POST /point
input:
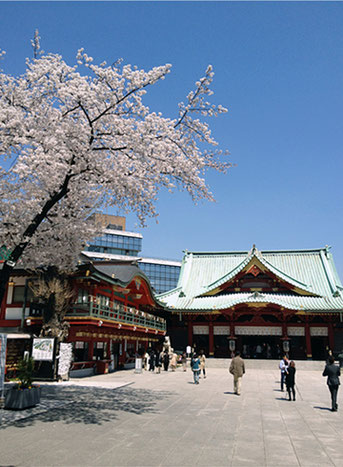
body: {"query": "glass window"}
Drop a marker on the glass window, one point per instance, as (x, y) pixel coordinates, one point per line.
(80, 351)
(18, 294)
(83, 296)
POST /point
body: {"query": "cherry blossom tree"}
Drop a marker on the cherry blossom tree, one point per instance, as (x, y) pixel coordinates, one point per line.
(74, 139)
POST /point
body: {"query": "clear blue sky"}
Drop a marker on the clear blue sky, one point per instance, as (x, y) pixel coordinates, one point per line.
(279, 70)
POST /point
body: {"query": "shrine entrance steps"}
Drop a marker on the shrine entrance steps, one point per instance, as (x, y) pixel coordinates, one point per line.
(267, 364)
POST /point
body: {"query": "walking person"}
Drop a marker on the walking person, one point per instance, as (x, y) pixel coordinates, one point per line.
(146, 359)
(333, 373)
(173, 361)
(152, 361)
(184, 361)
(158, 362)
(166, 360)
(290, 380)
(283, 367)
(195, 365)
(202, 363)
(237, 369)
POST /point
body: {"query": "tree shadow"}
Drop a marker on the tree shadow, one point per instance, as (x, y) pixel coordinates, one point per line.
(87, 405)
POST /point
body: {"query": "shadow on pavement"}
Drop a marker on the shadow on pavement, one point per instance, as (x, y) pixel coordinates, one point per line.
(88, 405)
(322, 408)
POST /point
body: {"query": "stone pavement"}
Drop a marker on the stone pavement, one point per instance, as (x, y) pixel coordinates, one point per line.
(165, 420)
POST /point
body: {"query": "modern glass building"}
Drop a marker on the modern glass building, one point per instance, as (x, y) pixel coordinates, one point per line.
(163, 274)
(117, 244)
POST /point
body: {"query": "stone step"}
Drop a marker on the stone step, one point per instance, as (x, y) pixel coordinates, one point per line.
(309, 365)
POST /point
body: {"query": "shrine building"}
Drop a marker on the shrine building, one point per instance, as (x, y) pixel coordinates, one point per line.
(263, 303)
(112, 317)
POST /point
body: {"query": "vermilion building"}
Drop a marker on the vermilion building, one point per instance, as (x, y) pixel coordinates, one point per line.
(113, 316)
(260, 302)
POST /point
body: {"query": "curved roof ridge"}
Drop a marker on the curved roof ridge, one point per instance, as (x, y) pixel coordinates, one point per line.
(255, 253)
(226, 276)
(168, 292)
(292, 302)
(281, 273)
(328, 272)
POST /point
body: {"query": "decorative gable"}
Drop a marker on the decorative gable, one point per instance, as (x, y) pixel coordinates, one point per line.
(257, 275)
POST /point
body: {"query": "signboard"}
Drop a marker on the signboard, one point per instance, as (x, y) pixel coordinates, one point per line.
(138, 365)
(3, 344)
(43, 349)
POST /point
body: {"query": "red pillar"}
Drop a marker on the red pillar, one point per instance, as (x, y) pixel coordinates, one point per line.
(331, 337)
(308, 341)
(190, 333)
(210, 339)
(90, 349)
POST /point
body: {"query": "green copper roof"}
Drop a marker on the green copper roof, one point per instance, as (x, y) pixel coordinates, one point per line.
(310, 271)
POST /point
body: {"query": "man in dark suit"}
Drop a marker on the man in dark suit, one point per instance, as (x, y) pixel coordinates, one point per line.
(333, 373)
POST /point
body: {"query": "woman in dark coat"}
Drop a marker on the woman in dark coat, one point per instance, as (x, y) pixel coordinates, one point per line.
(152, 361)
(166, 360)
(290, 380)
(333, 373)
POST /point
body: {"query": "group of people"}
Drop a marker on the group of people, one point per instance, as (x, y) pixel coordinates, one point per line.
(155, 360)
(287, 368)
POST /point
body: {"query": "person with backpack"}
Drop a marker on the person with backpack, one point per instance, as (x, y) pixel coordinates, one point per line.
(195, 365)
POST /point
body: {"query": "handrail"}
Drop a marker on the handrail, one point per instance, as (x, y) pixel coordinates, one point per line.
(117, 312)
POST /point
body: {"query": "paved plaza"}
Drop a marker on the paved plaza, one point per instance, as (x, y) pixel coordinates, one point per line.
(128, 419)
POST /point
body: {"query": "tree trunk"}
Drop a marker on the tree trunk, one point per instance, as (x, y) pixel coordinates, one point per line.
(17, 252)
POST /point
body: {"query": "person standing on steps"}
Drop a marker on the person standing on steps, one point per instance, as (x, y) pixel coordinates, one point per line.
(237, 369)
(333, 373)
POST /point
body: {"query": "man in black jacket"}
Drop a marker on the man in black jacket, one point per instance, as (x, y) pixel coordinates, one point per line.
(333, 373)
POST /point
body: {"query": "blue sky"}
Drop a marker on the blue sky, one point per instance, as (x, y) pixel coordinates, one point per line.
(279, 70)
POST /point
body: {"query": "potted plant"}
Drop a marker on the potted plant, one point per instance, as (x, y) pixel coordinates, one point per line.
(24, 394)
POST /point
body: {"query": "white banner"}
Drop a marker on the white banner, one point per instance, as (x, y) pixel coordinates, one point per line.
(43, 349)
(200, 330)
(258, 330)
(295, 331)
(65, 358)
(3, 345)
(319, 331)
(221, 330)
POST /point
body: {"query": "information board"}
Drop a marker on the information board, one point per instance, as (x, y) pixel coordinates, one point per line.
(43, 349)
